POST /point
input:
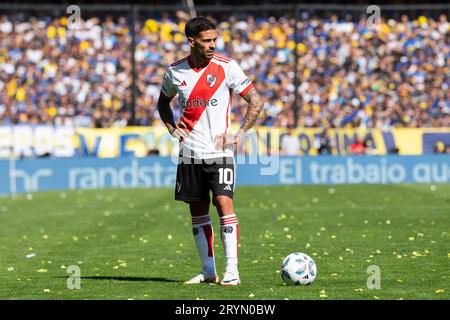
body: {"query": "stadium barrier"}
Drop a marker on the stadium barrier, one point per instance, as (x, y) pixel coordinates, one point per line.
(18, 176)
(37, 141)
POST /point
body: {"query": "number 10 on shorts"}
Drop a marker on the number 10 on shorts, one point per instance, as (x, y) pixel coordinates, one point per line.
(225, 176)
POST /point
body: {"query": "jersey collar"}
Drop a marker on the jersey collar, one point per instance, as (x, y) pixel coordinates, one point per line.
(191, 65)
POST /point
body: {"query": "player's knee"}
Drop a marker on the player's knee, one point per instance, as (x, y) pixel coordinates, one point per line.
(223, 203)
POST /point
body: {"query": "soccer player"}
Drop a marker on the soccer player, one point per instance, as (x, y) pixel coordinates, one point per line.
(204, 82)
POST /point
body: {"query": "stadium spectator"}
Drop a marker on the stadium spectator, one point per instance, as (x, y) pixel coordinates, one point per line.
(290, 143)
(323, 143)
(350, 76)
(358, 147)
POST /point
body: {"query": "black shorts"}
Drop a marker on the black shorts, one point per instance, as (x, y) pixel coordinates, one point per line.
(197, 177)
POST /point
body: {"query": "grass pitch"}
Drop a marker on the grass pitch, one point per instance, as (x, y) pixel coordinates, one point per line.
(138, 244)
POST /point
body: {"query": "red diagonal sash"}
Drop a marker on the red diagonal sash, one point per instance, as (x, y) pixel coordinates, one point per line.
(202, 91)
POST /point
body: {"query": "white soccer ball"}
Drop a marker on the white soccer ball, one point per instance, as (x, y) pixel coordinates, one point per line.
(298, 269)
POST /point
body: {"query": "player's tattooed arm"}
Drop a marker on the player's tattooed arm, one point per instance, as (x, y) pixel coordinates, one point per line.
(255, 105)
(178, 131)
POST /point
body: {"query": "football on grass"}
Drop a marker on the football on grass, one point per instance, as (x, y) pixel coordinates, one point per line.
(298, 269)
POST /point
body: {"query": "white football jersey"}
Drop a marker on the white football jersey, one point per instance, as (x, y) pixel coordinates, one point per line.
(205, 98)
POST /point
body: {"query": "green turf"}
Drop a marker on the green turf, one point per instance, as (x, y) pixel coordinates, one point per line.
(137, 244)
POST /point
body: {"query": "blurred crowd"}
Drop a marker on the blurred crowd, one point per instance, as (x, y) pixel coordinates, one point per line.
(349, 75)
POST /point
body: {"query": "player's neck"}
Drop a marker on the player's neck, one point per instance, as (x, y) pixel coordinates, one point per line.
(197, 62)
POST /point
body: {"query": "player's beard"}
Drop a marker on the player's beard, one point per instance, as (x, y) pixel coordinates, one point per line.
(209, 55)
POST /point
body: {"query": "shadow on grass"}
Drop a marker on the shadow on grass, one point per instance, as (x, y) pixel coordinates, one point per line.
(127, 279)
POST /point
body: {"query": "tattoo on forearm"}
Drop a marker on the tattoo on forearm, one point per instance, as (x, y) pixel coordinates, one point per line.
(255, 106)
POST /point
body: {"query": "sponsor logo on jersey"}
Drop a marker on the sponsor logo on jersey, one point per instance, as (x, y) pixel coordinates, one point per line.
(246, 82)
(199, 103)
(227, 187)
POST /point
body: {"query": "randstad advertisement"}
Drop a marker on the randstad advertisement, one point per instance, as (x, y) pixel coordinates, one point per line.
(48, 141)
(36, 175)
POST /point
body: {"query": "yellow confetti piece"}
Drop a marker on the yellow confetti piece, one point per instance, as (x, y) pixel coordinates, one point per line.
(251, 295)
(334, 274)
(116, 267)
(286, 229)
(376, 298)
(45, 237)
(439, 291)
(46, 290)
(359, 290)
(388, 221)
(42, 270)
(323, 229)
(288, 236)
(340, 258)
(411, 238)
(75, 238)
(399, 280)
(169, 237)
(308, 245)
(255, 261)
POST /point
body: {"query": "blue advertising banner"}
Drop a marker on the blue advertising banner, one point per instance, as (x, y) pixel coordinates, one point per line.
(153, 172)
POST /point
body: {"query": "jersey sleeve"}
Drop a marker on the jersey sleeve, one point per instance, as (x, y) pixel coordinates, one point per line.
(237, 80)
(168, 87)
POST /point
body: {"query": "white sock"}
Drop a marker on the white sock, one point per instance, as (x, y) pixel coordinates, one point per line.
(204, 239)
(229, 231)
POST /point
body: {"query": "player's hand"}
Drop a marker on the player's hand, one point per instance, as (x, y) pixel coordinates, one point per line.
(223, 140)
(180, 132)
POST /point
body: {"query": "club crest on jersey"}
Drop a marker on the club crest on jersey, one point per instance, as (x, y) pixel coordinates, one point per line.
(211, 79)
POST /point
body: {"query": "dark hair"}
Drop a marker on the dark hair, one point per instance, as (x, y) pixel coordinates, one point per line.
(197, 25)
